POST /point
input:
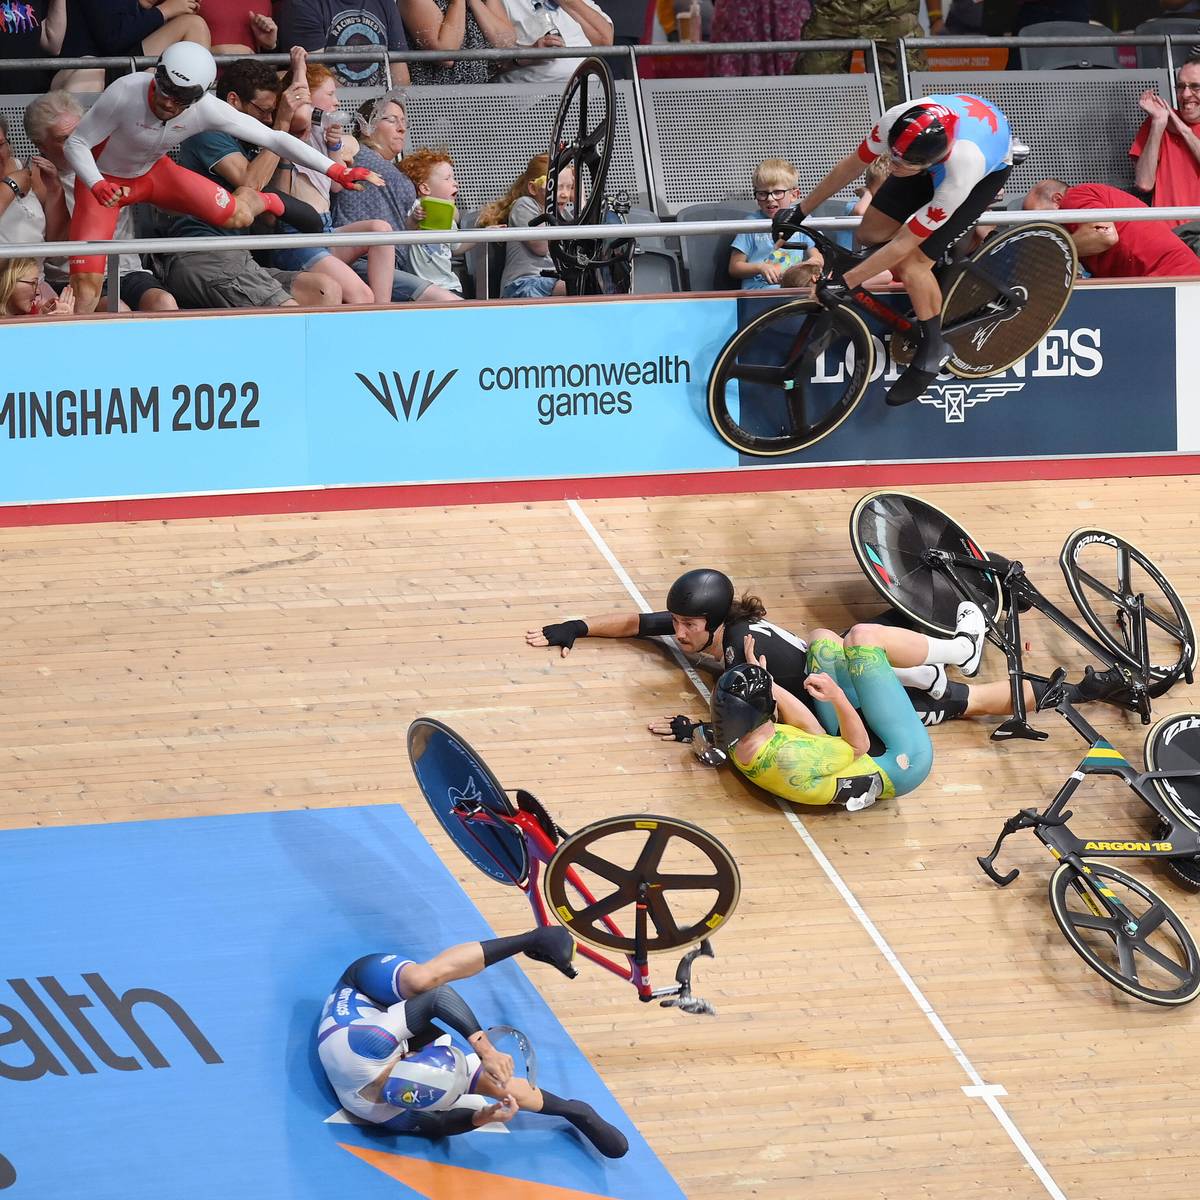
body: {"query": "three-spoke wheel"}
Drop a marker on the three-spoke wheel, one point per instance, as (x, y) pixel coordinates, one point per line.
(1125, 932)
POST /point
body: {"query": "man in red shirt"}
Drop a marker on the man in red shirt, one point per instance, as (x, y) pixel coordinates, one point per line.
(1167, 148)
(1120, 250)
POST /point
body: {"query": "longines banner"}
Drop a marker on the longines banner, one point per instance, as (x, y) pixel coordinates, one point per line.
(293, 400)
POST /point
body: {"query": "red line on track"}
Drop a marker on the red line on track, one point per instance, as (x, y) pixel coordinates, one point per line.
(745, 479)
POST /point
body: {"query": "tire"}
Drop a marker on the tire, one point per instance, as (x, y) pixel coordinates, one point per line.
(1036, 259)
(788, 410)
(1173, 744)
(1175, 946)
(1091, 577)
(448, 771)
(642, 842)
(889, 533)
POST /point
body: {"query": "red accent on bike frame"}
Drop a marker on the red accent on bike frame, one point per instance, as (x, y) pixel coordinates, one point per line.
(889, 316)
(541, 851)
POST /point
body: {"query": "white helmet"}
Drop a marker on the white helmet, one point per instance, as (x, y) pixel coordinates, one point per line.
(185, 72)
(430, 1080)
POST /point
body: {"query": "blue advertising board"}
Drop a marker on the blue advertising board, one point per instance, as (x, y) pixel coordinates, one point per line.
(292, 400)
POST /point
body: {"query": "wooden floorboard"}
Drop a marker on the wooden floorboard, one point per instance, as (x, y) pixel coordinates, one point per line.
(167, 669)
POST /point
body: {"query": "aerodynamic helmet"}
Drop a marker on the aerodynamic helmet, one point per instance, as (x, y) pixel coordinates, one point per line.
(430, 1080)
(702, 593)
(741, 702)
(185, 71)
(921, 135)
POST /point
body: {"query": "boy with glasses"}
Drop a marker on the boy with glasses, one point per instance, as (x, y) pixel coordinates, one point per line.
(754, 259)
(1167, 148)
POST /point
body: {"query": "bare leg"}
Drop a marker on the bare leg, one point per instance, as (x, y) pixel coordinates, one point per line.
(381, 260)
(87, 291)
(354, 291)
(457, 962)
(312, 290)
(190, 28)
(995, 699)
(916, 273)
(904, 647)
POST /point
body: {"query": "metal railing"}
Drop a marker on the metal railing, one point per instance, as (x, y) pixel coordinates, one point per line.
(658, 229)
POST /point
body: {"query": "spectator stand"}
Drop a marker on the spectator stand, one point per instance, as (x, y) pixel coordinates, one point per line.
(1078, 123)
(1182, 36)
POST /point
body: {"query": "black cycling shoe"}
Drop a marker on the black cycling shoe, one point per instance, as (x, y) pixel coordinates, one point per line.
(929, 359)
(555, 946)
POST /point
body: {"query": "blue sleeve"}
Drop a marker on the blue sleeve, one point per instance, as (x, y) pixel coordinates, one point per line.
(743, 242)
(112, 28)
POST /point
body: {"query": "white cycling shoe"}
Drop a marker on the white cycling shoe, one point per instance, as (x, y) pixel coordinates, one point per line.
(969, 623)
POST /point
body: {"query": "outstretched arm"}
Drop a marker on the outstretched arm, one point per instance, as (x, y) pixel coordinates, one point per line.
(843, 174)
(226, 118)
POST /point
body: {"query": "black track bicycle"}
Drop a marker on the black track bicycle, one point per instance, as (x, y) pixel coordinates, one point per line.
(1120, 926)
(793, 374)
(924, 564)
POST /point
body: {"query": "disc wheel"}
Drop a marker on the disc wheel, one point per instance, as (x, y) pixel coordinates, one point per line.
(1173, 744)
(1140, 946)
(1105, 575)
(789, 377)
(582, 143)
(1038, 263)
(692, 883)
(453, 777)
(890, 533)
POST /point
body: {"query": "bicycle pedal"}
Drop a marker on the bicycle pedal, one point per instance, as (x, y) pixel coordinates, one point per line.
(902, 349)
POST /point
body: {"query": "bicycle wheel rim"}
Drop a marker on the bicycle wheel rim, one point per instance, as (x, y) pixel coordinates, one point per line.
(1036, 261)
(1173, 744)
(767, 371)
(889, 533)
(1098, 948)
(447, 771)
(583, 141)
(570, 908)
(1100, 566)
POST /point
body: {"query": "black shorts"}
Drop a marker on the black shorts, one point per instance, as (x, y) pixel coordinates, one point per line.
(134, 287)
(950, 707)
(902, 195)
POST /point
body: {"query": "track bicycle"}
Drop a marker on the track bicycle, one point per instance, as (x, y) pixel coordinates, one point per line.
(794, 373)
(582, 142)
(676, 882)
(1123, 929)
(924, 564)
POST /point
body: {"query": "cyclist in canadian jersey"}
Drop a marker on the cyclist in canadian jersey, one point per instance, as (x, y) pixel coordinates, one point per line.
(119, 155)
(950, 156)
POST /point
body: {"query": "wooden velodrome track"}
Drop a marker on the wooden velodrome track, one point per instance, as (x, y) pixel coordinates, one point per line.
(167, 669)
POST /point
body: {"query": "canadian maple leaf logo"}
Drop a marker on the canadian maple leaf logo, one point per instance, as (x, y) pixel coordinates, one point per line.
(935, 214)
(980, 111)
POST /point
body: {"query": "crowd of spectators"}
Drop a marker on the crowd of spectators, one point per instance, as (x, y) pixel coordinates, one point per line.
(418, 190)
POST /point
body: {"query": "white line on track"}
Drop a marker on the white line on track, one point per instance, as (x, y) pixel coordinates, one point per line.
(977, 1089)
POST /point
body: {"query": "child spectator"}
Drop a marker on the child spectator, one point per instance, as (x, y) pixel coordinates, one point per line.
(23, 294)
(316, 122)
(432, 174)
(525, 263)
(754, 258)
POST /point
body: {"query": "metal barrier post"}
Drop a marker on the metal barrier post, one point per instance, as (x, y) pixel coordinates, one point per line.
(112, 279)
(639, 108)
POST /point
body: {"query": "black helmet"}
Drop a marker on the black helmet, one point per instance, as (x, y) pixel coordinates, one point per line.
(741, 701)
(921, 135)
(702, 593)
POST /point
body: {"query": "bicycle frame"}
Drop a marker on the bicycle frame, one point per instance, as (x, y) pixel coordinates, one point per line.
(1019, 592)
(838, 258)
(541, 848)
(1050, 824)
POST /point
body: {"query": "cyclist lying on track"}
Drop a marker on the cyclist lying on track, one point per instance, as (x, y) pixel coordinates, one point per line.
(825, 759)
(376, 1041)
(710, 624)
(950, 155)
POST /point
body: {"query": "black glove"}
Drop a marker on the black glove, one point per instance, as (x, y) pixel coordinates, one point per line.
(832, 293)
(683, 729)
(565, 634)
(786, 222)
